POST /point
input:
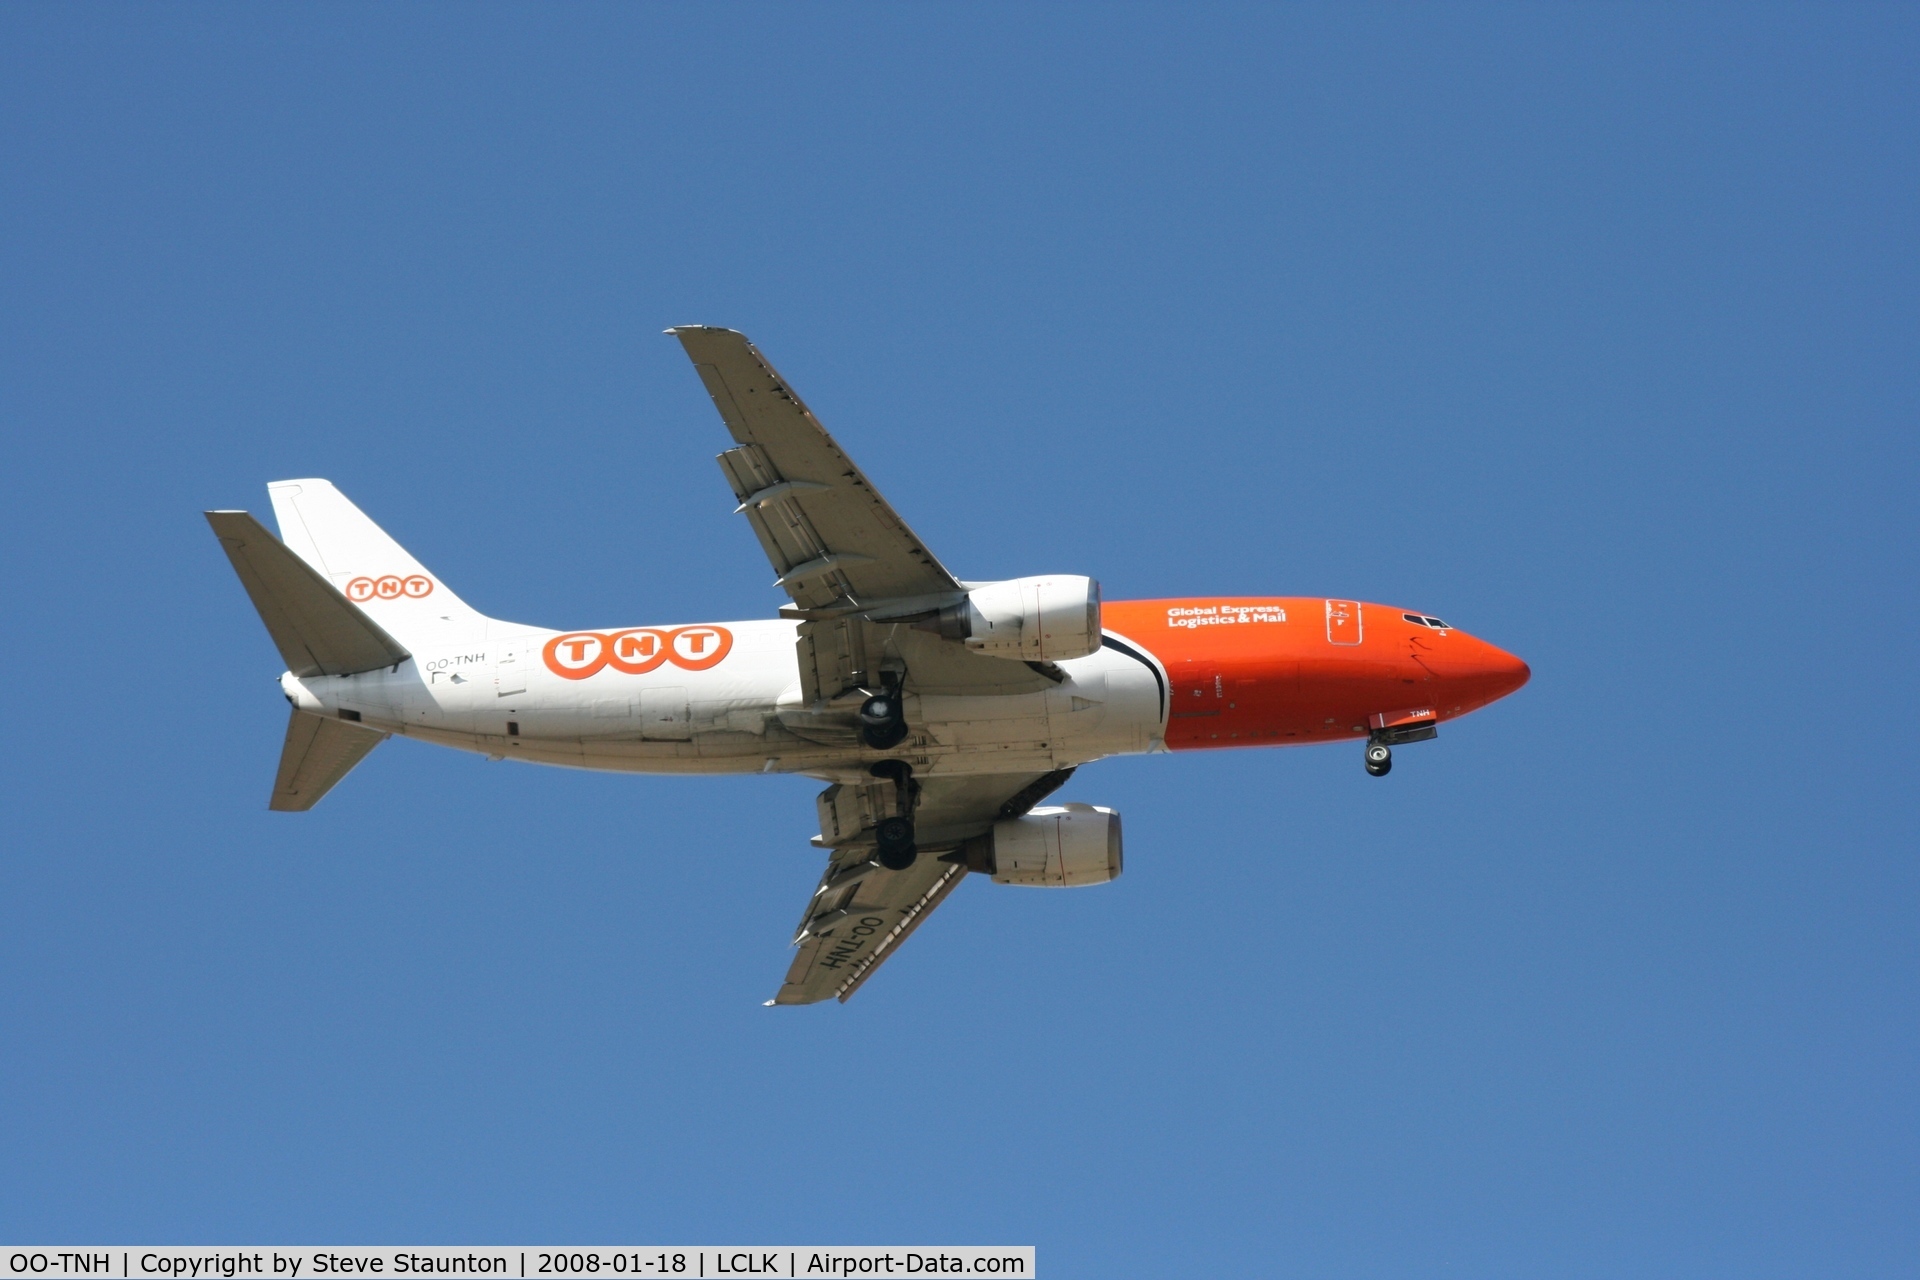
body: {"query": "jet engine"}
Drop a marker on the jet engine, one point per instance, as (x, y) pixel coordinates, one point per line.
(1044, 619)
(1059, 847)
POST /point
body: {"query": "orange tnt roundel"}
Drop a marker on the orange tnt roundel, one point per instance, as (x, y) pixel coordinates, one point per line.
(636, 651)
(389, 586)
(697, 648)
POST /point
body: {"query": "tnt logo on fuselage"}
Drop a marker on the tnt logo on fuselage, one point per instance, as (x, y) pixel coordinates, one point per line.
(636, 651)
(389, 587)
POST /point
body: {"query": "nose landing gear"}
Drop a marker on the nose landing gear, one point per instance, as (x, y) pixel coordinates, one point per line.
(1379, 758)
(1385, 737)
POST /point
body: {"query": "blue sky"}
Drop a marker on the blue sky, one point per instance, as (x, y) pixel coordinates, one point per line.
(1592, 330)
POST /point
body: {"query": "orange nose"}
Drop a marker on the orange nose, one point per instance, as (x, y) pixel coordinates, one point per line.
(1487, 672)
(1502, 671)
(1476, 672)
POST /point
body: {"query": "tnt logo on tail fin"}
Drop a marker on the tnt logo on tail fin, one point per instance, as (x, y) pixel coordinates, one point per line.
(319, 525)
(390, 586)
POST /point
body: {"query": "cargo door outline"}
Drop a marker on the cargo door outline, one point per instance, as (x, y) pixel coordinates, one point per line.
(663, 714)
(1343, 622)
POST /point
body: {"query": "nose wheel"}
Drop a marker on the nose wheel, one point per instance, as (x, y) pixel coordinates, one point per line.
(1379, 759)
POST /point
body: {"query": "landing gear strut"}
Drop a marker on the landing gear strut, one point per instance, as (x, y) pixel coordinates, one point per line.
(894, 835)
(1379, 758)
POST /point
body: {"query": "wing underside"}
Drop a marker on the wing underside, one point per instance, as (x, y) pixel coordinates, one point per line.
(864, 588)
(830, 535)
(869, 912)
(861, 912)
(857, 575)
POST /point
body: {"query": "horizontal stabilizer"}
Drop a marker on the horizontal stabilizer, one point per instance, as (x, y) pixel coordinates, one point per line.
(318, 753)
(318, 631)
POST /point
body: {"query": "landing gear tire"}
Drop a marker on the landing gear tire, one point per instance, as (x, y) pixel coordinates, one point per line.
(883, 721)
(1379, 759)
(895, 838)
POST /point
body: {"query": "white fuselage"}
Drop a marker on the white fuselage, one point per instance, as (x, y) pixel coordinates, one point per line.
(502, 693)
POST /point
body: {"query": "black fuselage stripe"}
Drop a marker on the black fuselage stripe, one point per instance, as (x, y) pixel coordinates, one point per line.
(1106, 638)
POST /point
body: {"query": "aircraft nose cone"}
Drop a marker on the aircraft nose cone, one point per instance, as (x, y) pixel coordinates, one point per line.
(1502, 671)
(1475, 672)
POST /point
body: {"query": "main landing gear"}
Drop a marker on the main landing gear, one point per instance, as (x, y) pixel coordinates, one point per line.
(894, 836)
(883, 720)
(1379, 758)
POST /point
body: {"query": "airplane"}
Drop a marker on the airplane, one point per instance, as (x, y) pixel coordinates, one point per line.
(941, 713)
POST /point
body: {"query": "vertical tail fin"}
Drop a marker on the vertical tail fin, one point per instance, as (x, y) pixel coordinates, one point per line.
(319, 525)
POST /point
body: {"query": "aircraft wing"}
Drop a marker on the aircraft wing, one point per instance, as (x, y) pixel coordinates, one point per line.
(841, 552)
(830, 535)
(865, 916)
(861, 912)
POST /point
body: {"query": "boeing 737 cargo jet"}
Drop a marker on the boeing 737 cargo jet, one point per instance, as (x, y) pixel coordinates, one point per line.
(940, 713)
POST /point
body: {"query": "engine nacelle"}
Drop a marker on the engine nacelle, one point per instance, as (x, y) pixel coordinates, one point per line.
(1045, 619)
(1056, 847)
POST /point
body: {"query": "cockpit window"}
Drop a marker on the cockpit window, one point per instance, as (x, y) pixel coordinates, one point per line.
(1420, 619)
(1415, 618)
(1435, 622)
